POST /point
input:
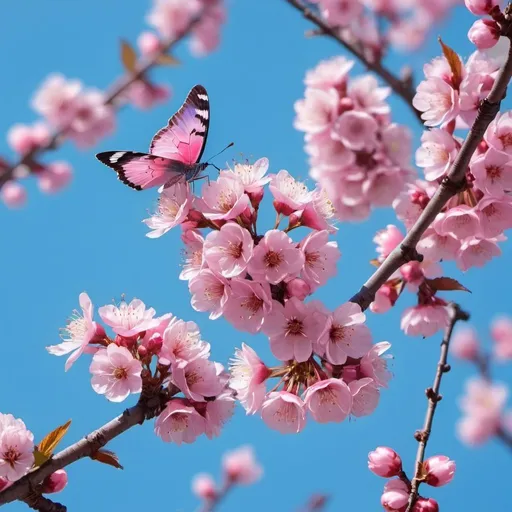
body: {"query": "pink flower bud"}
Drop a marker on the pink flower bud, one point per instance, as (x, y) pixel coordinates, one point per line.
(384, 462)
(425, 505)
(148, 43)
(439, 469)
(395, 495)
(13, 194)
(247, 217)
(99, 334)
(125, 341)
(203, 487)
(298, 288)
(55, 482)
(412, 272)
(385, 299)
(142, 351)
(256, 197)
(464, 344)
(484, 34)
(240, 466)
(4, 483)
(350, 373)
(480, 7)
(155, 343)
(345, 104)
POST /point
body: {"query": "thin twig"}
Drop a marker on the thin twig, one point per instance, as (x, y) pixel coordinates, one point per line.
(37, 502)
(115, 91)
(316, 503)
(433, 396)
(454, 182)
(403, 88)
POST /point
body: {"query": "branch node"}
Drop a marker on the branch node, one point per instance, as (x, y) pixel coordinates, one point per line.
(446, 368)
(410, 254)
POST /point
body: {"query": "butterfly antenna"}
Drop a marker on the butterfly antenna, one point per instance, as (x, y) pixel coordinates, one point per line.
(227, 147)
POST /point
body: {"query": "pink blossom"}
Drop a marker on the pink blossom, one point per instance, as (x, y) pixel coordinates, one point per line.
(207, 31)
(425, 505)
(439, 470)
(228, 251)
(289, 195)
(129, 319)
(328, 400)
(292, 329)
(320, 257)
(424, 320)
(145, 95)
(248, 304)
(55, 482)
(501, 333)
(252, 176)
(319, 213)
(499, 133)
(493, 172)
(437, 100)
(199, 378)
(171, 17)
(241, 467)
(461, 222)
(24, 139)
(345, 334)
(13, 194)
(203, 486)
(395, 495)
(412, 201)
(465, 344)
(356, 130)
(298, 288)
(374, 364)
(182, 342)
(436, 247)
(367, 96)
(474, 431)
(218, 412)
(174, 203)
(495, 216)
(385, 299)
(193, 254)
(484, 34)
(223, 199)
(16, 448)
(329, 73)
(248, 376)
(483, 399)
(284, 412)
(339, 13)
(78, 333)
(480, 7)
(209, 293)
(115, 373)
(385, 462)
(275, 258)
(387, 240)
(179, 423)
(397, 140)
(149, 43)
(437, 153)
(476, 253)
(54, 177)
(365, 396)
(317, 111)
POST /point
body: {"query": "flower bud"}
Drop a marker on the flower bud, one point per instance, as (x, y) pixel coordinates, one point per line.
(439, 470)
(384, 462)
(484, 34)
(13, 194)
(55, 482)
(480, 7)
(425, 505)
(298, 288)
(203, 487)
(256, 197)
(4, 483)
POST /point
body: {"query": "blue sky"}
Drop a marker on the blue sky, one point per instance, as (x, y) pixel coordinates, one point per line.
(90, 237)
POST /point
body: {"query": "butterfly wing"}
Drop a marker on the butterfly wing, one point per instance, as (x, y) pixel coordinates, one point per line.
(141, 170)
(184, 137)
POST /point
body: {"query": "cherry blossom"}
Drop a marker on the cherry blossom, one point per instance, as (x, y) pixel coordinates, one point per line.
(128, 319)
(284, 412)
(199, 378)
(240, 466)
(328, 400)
(209, 293)
(385, 462)
(439, 470)
(179, 423)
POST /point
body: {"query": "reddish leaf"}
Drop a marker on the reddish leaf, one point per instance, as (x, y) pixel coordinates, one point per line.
(106, 457)
(128, 57)
(454, 62)
(446, 284)
(375, 262)
(51, 440)
(167, 60)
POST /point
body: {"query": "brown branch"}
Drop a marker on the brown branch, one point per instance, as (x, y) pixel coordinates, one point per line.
(114, 93)
(37, 502)
(454, 182)
(433, 396)
(403, 88)
(22, 488)
(316, 503)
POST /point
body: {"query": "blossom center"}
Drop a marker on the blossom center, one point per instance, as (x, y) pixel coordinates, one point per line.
(75, 329)
(312, 258)
(493, 172)
(235, 250)
(506, 140)
(11, 455)
(337, 333)
(120, 374)
(192, 378)
(225, 202)
(214, 291)
(252, 304)
(294, 327)
(180, 422)
(273, 259)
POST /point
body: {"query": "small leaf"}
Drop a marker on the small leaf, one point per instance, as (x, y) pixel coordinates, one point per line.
(106, 457)
(51, 440)
(375, 262)
(446, 284)
(167, 60)
(454, 62)
(39, 458)
(128, 57)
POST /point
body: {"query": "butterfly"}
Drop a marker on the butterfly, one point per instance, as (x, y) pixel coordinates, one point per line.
(175, 150)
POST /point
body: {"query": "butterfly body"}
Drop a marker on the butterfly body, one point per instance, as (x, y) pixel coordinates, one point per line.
(175, 150)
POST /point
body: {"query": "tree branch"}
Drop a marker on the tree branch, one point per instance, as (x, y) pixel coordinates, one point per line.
(454, 182)
(433, 396)
(403, 88)
(114, 93)
(22, 488)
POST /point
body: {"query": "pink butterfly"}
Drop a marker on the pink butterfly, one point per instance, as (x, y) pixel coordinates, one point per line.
(175, 150)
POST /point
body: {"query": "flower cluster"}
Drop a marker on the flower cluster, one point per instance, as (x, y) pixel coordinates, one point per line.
(17, 451)
(484, 403)
(261, 283)
(361, 21)
(356, 153)
(385, 462)
(239, 467)
(158, 356)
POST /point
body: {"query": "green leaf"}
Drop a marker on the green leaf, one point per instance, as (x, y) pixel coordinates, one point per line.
(51, 440)
(128, 57)
(107, 457)
(446, 284)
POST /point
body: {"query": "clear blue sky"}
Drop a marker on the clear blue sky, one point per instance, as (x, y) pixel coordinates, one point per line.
(90, 237)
